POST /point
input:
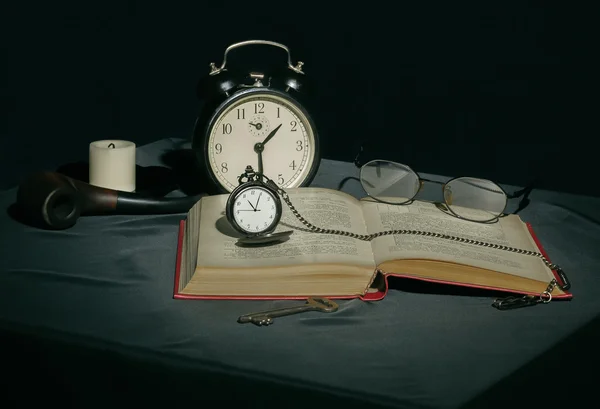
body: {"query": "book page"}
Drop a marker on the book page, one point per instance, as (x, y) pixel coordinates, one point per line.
(425, 216)
(325, 208)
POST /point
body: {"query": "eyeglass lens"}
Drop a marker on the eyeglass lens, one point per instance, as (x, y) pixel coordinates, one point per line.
(474, 199)
(469, 198)
(389, 182)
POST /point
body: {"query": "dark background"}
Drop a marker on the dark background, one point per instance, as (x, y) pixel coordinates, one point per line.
(500, 90)
(503, 90)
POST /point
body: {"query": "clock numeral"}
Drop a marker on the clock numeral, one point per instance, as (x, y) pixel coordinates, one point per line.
(280, 179)
(293, 165)
(259, 108)
(219, 148)
(277, 112)
(239, 204)
(299, 146)
(241, 113)
(224, 167)
(227, 128)
(293, 125)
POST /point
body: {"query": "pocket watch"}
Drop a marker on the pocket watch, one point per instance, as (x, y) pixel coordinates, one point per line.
(256, 118)
(254, 209)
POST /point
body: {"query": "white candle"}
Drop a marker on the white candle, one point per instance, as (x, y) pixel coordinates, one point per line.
(112, 164)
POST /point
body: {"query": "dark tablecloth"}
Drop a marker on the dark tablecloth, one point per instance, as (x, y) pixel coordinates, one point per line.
(88, 317)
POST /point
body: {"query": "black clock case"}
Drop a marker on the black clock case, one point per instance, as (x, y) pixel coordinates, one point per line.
(220, 90)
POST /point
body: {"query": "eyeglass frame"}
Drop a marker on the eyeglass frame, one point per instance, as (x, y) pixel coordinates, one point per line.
(522, 192)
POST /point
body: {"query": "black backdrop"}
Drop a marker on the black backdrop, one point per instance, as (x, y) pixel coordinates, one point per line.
(492, 89)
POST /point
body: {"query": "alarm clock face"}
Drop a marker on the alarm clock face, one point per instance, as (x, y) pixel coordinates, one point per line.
(268, 117)
(254, 210)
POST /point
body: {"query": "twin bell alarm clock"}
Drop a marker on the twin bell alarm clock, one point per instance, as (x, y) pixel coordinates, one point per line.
(257, 119)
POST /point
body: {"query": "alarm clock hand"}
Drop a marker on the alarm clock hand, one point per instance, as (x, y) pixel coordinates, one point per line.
(260, 161)
(271, 135)
(260, 146)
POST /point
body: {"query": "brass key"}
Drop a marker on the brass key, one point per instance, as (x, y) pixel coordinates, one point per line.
(266, 317)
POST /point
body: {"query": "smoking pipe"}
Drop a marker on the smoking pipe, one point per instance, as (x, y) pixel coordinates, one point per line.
(52, 200)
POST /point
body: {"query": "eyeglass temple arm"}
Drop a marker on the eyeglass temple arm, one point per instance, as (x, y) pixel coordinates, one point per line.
(357, 161)
(525, 193)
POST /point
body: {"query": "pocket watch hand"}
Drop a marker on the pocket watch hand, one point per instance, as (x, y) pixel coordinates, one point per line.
(258, 126)
(271, 135)
(258, 200)
(253, 208)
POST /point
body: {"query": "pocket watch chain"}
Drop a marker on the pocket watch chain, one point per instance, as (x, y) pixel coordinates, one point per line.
(510, 302)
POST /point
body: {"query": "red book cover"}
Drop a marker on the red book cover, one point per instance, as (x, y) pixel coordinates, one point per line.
(370, 296)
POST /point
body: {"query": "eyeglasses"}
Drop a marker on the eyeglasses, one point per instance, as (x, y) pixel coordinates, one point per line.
(469, 198)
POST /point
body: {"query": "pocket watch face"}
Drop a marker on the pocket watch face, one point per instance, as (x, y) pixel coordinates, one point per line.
(255, 210)
(280, 125)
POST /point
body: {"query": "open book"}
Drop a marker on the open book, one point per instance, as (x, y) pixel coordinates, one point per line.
(210, 264)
